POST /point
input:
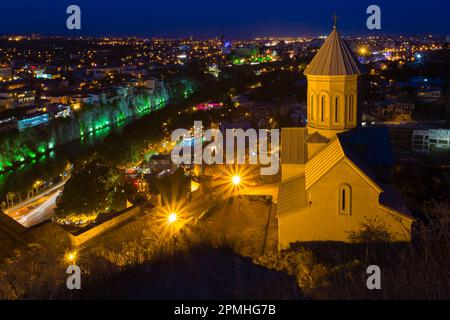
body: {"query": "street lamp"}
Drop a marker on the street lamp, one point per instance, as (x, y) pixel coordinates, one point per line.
(172, 218)
(236, 180)
(363, 51)
(71, 257)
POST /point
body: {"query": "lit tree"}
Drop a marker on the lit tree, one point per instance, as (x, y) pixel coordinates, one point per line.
(88, 191)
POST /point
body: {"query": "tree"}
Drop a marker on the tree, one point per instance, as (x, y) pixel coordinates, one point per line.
(173, 187)
(88, 191)
(372, 231)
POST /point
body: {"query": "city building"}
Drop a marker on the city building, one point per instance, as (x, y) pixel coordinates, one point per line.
(334, 172)
(10, 99)
(5, 74)
(58, 110)
(420, 141)
(8, 124)
(160, 162)
(429, 94)
(100, 73)
(32, 120)
(430, 141)
(226, 45)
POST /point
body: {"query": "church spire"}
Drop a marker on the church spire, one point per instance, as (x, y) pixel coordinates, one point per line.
(333, 87)
(334, 58)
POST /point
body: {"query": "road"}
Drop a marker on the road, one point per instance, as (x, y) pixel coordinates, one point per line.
(41, 207)
(37, 209)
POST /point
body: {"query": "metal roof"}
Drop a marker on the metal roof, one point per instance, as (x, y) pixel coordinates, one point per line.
(341, 149)
(291, 195)
(372, 143)
(322, 162)
(316, 138)
(293, 148)
(344, 147)
(335, 58)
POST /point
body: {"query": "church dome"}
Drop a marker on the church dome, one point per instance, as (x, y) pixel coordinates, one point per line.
(335, 58)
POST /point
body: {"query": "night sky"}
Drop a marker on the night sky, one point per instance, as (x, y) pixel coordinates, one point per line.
(238, 19)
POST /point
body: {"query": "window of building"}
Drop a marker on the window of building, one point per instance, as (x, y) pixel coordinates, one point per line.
(345, 199)
(350, 110)
(323, 108)
(312, 108)
(336, 110)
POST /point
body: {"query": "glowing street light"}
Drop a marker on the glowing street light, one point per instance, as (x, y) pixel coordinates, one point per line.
(71, 257)
(363, 51)
(172, 218)
(37, 184)
(236, 180)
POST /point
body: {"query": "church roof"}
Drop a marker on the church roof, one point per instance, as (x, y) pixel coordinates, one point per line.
(323, 162)
(291, 195)
(293, 148)
(335, 58)
(339, 149)
(392, 199)
(316, 138)
(372, 143)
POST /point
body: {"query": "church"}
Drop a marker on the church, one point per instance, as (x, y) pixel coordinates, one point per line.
(335, 172)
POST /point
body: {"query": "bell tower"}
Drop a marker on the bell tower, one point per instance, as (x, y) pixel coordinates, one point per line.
(332, 101)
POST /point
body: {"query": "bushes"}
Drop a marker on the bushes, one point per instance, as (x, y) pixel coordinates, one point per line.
(36, 272)
(301, 264)
(323, 270)
(419, 270)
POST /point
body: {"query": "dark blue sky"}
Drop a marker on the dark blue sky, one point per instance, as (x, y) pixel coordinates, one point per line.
(207, 18)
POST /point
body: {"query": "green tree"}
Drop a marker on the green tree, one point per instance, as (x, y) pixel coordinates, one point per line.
(88, 191)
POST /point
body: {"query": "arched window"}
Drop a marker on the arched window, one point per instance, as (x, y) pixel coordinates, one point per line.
(336, 110)
(350, 112)
(323, 108)
(312, 108)
(345, 199)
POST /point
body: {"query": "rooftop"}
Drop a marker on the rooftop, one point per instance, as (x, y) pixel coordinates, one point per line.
(335, 58)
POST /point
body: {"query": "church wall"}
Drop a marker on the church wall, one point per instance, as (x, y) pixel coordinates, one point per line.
(321, 220)
(340, 89)
(290, 228)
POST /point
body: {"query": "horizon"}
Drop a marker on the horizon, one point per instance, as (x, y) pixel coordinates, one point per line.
(205, 21)
(187, 38)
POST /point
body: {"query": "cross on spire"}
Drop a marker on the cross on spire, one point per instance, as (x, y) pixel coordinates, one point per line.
(335, 18)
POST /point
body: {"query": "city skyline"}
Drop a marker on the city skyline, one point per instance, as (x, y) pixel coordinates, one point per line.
(236, 20)
(189, 151)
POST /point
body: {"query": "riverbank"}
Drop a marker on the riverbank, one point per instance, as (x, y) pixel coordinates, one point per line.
(40, 152)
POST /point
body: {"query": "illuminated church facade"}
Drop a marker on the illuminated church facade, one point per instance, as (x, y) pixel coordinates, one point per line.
(334, 170)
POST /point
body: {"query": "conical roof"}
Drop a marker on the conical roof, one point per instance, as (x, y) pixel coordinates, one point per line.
(335, 58)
